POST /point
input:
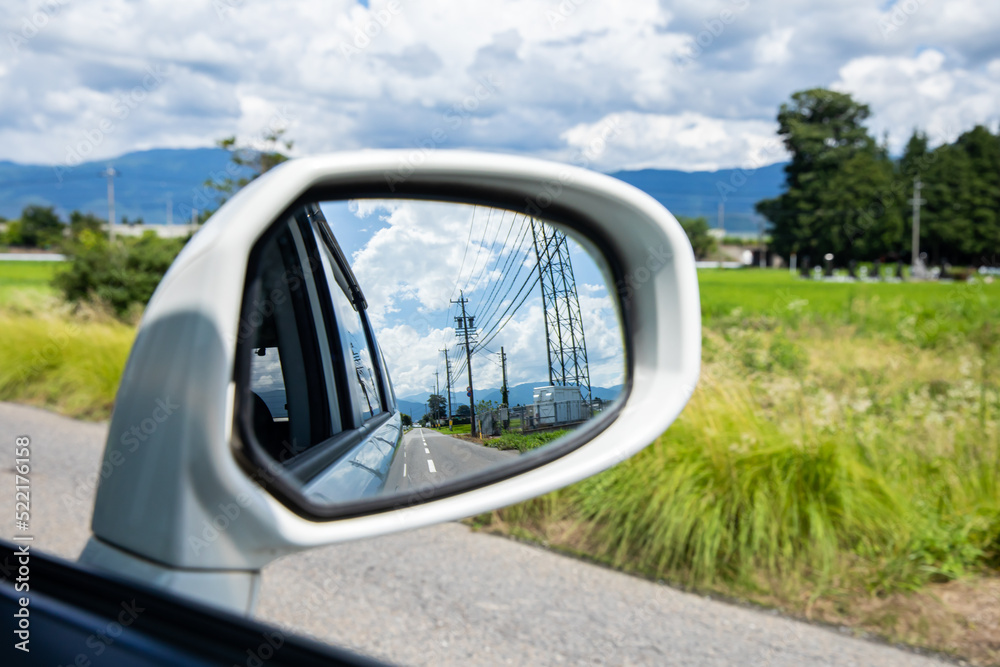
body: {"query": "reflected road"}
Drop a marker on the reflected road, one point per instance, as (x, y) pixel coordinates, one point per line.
(428, 458)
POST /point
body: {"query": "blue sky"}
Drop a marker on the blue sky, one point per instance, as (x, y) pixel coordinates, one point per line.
(690, 84)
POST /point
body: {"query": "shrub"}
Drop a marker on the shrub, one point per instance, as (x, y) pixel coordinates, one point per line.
(122, 275)
(697, 231)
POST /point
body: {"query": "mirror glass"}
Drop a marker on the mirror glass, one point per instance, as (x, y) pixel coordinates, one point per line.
(397, 347)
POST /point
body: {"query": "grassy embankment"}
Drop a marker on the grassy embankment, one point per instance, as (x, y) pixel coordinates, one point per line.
(457, 429)
(840, 458)
(52, 358)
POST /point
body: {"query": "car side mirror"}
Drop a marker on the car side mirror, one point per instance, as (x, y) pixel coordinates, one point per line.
(262, 408)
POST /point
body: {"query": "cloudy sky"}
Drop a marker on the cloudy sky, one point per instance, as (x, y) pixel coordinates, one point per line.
(411, 305)
(687, 84)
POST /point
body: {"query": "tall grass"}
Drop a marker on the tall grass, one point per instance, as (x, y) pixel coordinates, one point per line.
(55, 361)
(728, 496)
(839, 441)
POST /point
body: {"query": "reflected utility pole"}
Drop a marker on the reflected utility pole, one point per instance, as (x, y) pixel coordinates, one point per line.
(464, 325)
(503, 367)
(437, 392)
(447, 379)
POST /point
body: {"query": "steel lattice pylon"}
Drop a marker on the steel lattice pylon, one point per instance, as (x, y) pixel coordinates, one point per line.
(563, 325)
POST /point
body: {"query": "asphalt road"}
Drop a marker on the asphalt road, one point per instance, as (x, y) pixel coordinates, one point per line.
(447, 596)
(428, 458)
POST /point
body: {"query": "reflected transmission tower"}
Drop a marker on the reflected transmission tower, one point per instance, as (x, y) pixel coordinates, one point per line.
(563, 325)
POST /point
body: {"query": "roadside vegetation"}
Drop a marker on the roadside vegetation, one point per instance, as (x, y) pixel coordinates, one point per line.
(53, 355)
(457, 429)
(523, 442)
(840, 459)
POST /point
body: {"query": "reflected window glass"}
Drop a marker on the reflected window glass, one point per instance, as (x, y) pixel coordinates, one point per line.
(359, 363)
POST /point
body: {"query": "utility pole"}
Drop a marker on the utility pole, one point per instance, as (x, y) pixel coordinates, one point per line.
(110, 173)
(503, 366)
(916, 201)
(760, 244)
(437, 392)
(447, 379)
(464, 325)
(722, 227)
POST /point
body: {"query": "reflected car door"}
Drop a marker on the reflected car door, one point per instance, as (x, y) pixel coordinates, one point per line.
(324, 361)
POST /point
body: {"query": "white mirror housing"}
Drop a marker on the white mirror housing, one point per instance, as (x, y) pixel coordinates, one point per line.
(175, 495)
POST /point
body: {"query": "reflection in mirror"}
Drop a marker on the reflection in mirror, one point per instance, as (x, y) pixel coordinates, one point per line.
(412, 344)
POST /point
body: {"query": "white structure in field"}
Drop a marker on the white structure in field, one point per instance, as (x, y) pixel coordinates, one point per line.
(558, 405)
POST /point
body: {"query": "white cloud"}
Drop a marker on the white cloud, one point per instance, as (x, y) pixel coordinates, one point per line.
(687, 141)
(526, 76)
(772, 48)
(925, 91)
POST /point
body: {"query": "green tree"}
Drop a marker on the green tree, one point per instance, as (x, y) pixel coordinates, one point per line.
(40, 227)
(916, 156)
(960, 221)
(248, 162)
(405, 419)
(122, 275)
(697, 231)
(78, 222)
(841, 194)
(13, 234)
(438, 406)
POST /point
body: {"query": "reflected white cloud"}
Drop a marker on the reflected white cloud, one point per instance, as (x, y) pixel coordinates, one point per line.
(424, 255)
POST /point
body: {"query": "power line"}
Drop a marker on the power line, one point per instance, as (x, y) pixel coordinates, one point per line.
(532, 279)
(485, 305)
(488, 317)
(482, 245)
(468, 242)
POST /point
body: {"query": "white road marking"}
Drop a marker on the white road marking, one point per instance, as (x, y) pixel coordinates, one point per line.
(430, 465)
(426, 451)
(404, 470)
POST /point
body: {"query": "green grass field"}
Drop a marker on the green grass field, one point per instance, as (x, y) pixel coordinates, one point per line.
(909, 312)
(24, 281)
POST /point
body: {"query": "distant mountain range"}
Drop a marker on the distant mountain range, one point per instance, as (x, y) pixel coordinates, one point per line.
(699, 193)
(521, 394)
(149, 183)
(155, 181)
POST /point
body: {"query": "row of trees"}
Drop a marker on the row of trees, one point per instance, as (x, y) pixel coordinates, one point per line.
(846, 195)
(41, 227)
